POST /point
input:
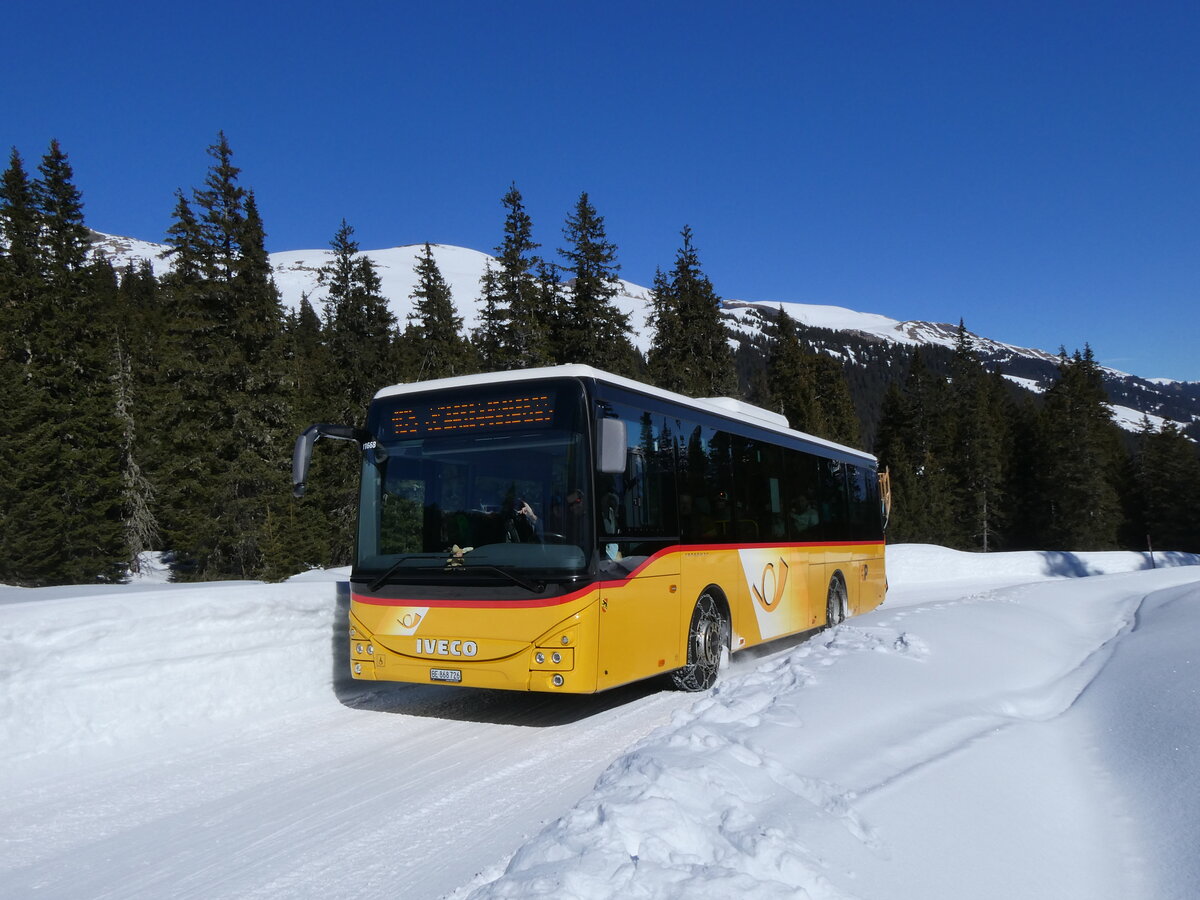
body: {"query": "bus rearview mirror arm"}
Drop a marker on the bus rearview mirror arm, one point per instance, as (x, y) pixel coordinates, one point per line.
(302, 453)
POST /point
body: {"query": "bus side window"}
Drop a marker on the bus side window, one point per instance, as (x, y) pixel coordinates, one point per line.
(802, 496)
(865, 522)
(639, 502)
(833, 506)
(709, 486)
(759, 508)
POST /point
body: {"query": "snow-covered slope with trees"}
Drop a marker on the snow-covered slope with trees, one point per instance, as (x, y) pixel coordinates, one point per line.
(297, 275)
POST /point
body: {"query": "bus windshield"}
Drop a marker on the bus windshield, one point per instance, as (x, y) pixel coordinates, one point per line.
(492, 479)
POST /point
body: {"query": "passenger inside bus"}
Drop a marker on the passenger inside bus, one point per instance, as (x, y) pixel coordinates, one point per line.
(803, 515)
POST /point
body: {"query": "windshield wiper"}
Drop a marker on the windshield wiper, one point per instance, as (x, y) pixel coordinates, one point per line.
(534, 587)
(395, 567)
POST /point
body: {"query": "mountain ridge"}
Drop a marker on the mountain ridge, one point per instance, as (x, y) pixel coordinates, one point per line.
(830, 329)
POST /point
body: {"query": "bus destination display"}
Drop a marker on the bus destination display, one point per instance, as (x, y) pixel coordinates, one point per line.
(473, 416)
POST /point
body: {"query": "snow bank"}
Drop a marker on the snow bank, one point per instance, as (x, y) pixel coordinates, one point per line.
(112, 664)
(910, 564)
(773, 786)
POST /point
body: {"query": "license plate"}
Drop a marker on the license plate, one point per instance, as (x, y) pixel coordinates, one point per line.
(445, 675)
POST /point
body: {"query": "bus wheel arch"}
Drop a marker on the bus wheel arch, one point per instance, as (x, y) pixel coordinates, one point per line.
(708, 642)
(837, 600)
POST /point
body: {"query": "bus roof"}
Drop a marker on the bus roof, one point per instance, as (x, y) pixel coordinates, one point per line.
(724, 407)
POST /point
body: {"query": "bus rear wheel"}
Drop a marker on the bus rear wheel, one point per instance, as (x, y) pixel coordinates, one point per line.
(708, 640)
(835, 602)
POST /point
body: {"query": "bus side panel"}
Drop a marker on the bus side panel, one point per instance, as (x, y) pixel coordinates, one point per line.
(873, 575)
(862, 567)
(847, 560)
(701, 567)
(819, 573)
(777, 599)
(639, 629)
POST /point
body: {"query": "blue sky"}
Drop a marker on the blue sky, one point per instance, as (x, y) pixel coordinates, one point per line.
(1031, 168)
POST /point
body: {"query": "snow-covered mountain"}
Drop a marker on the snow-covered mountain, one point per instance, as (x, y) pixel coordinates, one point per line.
(297, 274)
(833, 329)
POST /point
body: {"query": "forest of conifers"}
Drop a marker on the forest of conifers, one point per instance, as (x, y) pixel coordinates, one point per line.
(158, 413)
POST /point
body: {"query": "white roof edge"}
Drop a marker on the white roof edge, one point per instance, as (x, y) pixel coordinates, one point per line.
(723, 406)
(749, 410)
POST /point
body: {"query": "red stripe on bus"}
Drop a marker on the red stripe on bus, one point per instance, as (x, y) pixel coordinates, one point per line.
(604, 584)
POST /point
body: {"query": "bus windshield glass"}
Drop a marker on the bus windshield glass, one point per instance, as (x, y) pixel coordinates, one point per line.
(490, 478)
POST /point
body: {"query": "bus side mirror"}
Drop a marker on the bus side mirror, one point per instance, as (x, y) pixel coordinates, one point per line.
(302, 453)
(610, 450)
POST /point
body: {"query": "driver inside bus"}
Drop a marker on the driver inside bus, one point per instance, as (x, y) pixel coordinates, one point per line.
(523, 519)
(566, 518)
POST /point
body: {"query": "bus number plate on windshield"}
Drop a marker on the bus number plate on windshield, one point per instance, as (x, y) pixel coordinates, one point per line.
(445, 675)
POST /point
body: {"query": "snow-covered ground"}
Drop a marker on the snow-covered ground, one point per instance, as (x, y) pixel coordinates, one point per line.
(1010, 725)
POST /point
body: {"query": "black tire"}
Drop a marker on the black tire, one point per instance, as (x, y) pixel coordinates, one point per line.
(708, 640)
(835, 602)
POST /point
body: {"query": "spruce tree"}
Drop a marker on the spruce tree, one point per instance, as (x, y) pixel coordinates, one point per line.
(361, 347)
(228, 406)
(308, 361)
(689, 352)
(435, 328)
(25, 465)
(488, 337)
(978, 448)
(1079, 456)
(302, 535)
(523, 335)
(784, 359)
(64, 239)
(1167, 480)
(913, 444)
(809, 389)
(360, 329)
(62, 517)
(80, 341)
(592, 330)
(553, 305)
(834, 415)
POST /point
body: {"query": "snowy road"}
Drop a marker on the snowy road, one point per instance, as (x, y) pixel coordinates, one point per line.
(986, 733)
(407, 793)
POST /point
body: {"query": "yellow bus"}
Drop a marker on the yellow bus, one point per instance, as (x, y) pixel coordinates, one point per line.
(564, 529)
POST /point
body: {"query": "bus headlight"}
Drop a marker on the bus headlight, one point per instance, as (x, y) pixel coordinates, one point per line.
(539, 658)
(557, 681)
(555, 657)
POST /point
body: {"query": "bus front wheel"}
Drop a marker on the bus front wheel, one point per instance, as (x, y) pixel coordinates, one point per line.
(708, 641)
